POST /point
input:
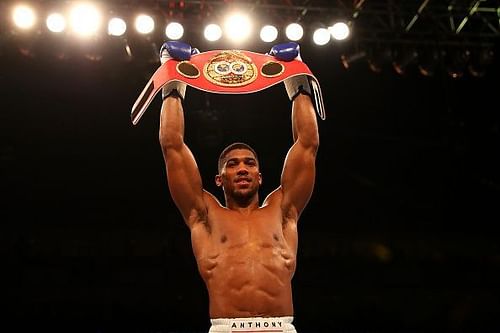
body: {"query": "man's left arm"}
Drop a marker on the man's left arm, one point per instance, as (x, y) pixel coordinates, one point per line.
(299, 170)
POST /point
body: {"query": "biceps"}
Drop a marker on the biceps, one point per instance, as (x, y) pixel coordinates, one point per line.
(298, 177)
(184, 181)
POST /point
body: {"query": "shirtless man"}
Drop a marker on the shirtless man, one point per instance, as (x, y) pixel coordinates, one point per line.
(246, 252)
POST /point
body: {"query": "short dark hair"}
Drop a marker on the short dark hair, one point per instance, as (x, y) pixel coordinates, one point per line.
(233, 146)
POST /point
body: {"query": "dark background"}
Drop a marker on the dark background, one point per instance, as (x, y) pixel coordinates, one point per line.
(400, 233)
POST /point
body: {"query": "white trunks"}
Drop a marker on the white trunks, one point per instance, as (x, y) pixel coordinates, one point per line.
(253, 325)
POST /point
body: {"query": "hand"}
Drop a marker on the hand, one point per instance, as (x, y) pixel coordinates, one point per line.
(297, 84)
(180, 51)
(176, 50)
(286, 51)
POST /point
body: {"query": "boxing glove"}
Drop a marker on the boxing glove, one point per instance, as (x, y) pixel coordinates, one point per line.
(179, 51)
(297, 84)
(286, 51)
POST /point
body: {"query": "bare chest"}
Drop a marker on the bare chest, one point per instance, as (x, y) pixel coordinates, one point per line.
(262, 228)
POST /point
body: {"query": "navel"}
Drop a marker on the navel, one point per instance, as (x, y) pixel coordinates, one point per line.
(223, 239)
(276, 238)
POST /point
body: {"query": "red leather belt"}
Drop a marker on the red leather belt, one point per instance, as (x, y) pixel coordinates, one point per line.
(226, 72)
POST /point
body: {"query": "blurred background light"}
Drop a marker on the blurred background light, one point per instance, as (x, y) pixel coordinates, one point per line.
(56, 22)
(237, 27)
(85, 19)
(117, 27)
(24, 17)
(268, 33)
(174, 30)
(212, 32)
(294, 32)
(144, 24)
(339, 31)
(321, 36)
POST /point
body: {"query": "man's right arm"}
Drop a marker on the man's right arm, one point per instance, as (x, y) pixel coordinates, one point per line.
(184, 180)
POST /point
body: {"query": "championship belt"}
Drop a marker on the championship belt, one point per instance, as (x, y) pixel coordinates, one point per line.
(226, 72)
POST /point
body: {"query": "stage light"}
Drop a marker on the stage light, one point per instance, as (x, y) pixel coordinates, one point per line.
(480, 60)
(24, 17)
(56, 22)
(85, 19)
(117, 27)
(348, 60)
(174, 30)
(294, 31)
(339, 31)
(403, 59)
(212, 32)
(237, 27)
(321, 36)
(144, 24)
(428, 61)
(456, 62)
(268, 33)
(380, 58)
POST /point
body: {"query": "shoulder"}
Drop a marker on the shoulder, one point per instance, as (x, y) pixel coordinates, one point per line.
(210, 199)
(200, 215)
(273, 198)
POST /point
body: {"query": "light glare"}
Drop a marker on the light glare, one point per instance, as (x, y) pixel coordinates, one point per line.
(238, 27)
(174, 30)
(56, 22)
(294, 31)
(339, 31)
(24, 17)
(268, 33)
(144, 24)
(321, 36)
(117, 26)
(85, 19)
(212, 32)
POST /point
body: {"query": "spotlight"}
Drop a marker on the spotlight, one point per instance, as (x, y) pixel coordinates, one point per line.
(268, 33)
(144, 24)
(457, 62)
(119, 49)
(56, 22)
(174, 30)
(238, 27)
(85, 20)
(403, 58)
(379, 58)
(212, 32)
(294, 32)
(428, 61)
(480, 61)
(339, 31)
(321, 36)
(117, 27)
(348, 60)
(24, 17)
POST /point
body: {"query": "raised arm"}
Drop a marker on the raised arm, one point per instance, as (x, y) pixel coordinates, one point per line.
(184, 180)
(299, 170)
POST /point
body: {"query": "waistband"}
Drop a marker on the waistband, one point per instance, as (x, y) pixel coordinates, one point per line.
(253, 325)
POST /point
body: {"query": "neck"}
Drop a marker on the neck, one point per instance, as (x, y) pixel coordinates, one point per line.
(243, 205)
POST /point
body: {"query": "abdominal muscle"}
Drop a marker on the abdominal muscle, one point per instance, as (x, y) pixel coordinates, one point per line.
(249, 279)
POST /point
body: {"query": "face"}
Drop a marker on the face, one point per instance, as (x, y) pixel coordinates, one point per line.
(239, 176)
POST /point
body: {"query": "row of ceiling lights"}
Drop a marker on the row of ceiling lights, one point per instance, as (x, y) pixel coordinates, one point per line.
(85, 20)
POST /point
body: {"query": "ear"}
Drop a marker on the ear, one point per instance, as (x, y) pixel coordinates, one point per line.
(260, 178)
(218, 180)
